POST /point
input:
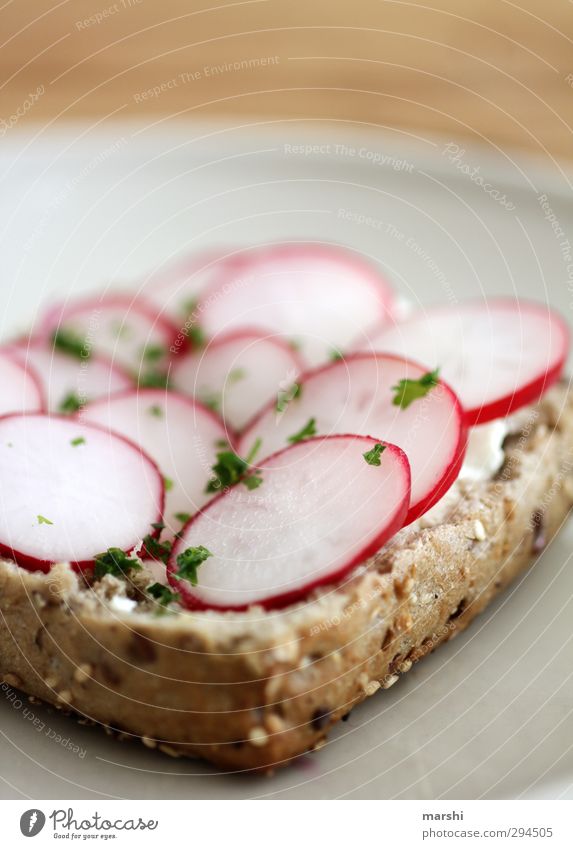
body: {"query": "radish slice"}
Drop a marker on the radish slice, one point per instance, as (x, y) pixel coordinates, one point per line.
(356, 395)
(180, 434)
(121, 327)
(320, 297)
(321, 510)
(20, 390)
(175, 290)
(498, 355)
(71, 491)
(238, 373)
(65, 378)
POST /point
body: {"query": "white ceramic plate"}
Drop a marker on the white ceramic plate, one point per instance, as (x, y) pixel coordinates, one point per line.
(491, 713)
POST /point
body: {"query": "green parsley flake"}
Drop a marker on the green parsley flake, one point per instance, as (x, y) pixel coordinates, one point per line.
(254, 450)
(197, 336)
(190, 561)
(335, 355)
(156, 411)
(252, 481)
(285, 396)
(162, 594)
(153, 353)
(70, 404)
(79, 440)
(43, 521)
(157, 550)
(115, 562)
(236, 374)
(168, 483)
(154, 380)
(228, 470)
(68, 342)
(211, 400)
(189, 306)
(372, 457)
(120, 329)
(183, 517)
(304, 433)
(409, 390)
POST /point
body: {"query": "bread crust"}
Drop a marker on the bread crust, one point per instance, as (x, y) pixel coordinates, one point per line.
(252, 690)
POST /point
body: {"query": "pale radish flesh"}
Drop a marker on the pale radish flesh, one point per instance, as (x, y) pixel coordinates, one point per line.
(20, 390)
(317, 297)
(70, 491)
(237, 373)
(179, 434)
(357, 395)
(176, 289)
(498, 355)
(123, 328)
(68, 380)
(320, 510)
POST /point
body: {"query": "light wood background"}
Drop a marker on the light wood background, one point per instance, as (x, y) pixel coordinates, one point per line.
(494, 70)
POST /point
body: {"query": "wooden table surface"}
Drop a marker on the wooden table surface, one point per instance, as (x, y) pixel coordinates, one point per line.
(495, 70)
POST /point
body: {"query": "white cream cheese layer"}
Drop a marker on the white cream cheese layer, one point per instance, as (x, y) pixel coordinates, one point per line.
(484, 457)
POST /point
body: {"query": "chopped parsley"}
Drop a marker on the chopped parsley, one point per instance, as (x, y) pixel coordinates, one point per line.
(68, 342)
(335, 355)
(154, 380)
(162, 594)
(190, 561)
(156, 549)
(285, 396)
(197, 336)
(212, 401)
(236, 374)
(183, 517)
(79, 440)
(115, 562)
(304, 433)
(252, 481)
(159, 526)
(222, 443)
(70, 404)
(168, 483)
(254, 450)
(120, 329)
(372, 457)
(231, 469)
(410, 390)
(153, 353)
(189, 305)
(43, 521)
(228, 470)
(156, 411)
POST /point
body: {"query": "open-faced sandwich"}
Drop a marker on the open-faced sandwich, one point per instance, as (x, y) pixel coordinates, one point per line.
(253, 491)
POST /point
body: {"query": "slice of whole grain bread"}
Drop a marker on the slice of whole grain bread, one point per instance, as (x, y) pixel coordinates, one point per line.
(253, 690)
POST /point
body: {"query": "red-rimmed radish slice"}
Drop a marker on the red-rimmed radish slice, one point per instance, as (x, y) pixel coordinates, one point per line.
(124, 328)
(320, 510)
(356, 395)
(175, 289)
(64, 377)
(180, 434)
(320, 297)
(71, 491)
(20, 389)
(238, 373)
(498, 355)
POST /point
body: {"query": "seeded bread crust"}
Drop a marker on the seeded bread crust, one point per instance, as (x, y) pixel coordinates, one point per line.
(252, 690)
